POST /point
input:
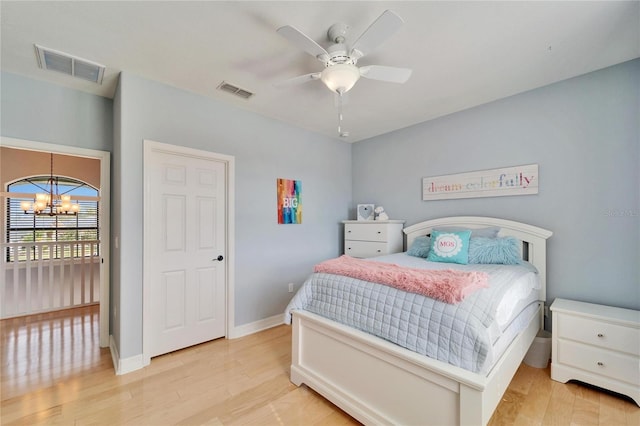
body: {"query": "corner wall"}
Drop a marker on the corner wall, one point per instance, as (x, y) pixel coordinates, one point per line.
(268, 256)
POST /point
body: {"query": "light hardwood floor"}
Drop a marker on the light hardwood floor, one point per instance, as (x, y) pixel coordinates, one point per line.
(53, 372)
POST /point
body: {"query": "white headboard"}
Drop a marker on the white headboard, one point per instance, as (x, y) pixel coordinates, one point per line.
(534, 239)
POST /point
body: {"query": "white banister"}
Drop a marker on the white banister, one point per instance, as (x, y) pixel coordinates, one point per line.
(47, 276)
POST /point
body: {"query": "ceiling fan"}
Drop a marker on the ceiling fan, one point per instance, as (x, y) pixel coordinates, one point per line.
(341, 73)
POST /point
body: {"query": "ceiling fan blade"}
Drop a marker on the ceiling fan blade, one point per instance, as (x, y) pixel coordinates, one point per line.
(383, 73)
(301, 40)
(380, 30)
(298, 80)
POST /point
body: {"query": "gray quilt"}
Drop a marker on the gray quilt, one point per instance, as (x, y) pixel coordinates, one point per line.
(460, 334)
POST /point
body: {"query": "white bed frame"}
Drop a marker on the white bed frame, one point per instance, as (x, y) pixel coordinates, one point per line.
(378, 382)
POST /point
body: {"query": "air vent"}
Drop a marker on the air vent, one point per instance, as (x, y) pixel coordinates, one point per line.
(230, 88)
(54, 60)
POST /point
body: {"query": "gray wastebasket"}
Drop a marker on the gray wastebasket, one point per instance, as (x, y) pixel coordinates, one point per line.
(540, 350)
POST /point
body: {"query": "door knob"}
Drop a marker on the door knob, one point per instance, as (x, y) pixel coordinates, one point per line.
(219, 258)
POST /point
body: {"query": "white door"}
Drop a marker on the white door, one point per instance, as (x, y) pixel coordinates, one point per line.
(185, 273)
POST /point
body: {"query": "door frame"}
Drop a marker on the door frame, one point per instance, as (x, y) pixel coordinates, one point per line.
(104, 219)
(229, 162)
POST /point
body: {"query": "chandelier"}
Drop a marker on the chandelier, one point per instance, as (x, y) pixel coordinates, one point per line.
(51, 203)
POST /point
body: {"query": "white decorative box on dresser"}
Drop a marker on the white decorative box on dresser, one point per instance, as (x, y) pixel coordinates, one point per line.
(596, 344)
(369, 238)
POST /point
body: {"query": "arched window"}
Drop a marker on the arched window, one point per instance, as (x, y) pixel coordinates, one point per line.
(27, 227)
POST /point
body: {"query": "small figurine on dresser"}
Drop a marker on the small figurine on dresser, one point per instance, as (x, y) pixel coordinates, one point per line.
(381, 214)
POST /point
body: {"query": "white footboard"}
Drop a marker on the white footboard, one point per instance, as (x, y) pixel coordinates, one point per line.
(378, 382)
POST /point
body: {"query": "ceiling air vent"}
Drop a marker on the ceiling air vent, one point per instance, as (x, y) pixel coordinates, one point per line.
(235, 90)
(54, 60)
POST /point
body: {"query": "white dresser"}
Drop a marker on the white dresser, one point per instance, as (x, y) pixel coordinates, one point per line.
(373, 237)
(596, 344)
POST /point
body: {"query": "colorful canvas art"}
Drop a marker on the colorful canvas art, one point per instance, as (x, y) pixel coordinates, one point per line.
(289, 201)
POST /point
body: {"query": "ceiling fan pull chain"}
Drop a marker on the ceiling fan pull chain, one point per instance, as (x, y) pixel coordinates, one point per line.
(342, 134)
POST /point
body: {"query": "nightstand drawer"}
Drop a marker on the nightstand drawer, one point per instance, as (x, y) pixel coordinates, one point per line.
(365, 232)
(365, 248)
(614, 365)
(606, 335)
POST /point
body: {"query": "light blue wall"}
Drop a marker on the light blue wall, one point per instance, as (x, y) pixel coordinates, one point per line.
(583, 132)
(268, 255)
(584, 135)
(43, 112)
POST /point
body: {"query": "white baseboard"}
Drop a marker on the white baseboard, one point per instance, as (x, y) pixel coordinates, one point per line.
(127, 365)
(254, 327)
(124, 366)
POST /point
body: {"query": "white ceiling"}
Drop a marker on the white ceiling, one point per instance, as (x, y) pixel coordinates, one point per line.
(462, 54)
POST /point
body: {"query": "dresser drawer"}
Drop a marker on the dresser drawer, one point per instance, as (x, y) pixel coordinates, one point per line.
(600, 361)
(598, 333)
(366, 232)
(365, 248)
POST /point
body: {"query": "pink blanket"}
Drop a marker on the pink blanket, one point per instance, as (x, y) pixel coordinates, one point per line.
(449, 285)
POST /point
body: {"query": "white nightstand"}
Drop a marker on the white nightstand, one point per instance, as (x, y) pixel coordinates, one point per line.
(372, 237)
(596, 344)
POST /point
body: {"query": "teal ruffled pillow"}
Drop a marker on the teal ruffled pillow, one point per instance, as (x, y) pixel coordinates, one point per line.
(449, 247)
(505, 251)
(420, 247)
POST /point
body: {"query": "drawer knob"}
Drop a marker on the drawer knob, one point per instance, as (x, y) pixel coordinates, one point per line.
(600, 335)
(600, 364)
(348, 232)
(378, 251)
(379, 232)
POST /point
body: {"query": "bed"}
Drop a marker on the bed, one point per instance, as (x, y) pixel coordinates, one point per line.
(379, 382)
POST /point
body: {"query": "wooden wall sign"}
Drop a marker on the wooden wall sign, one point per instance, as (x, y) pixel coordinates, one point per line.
(518, 180)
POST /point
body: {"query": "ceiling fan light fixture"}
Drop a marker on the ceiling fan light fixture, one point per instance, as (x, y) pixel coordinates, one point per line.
(340, 78)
